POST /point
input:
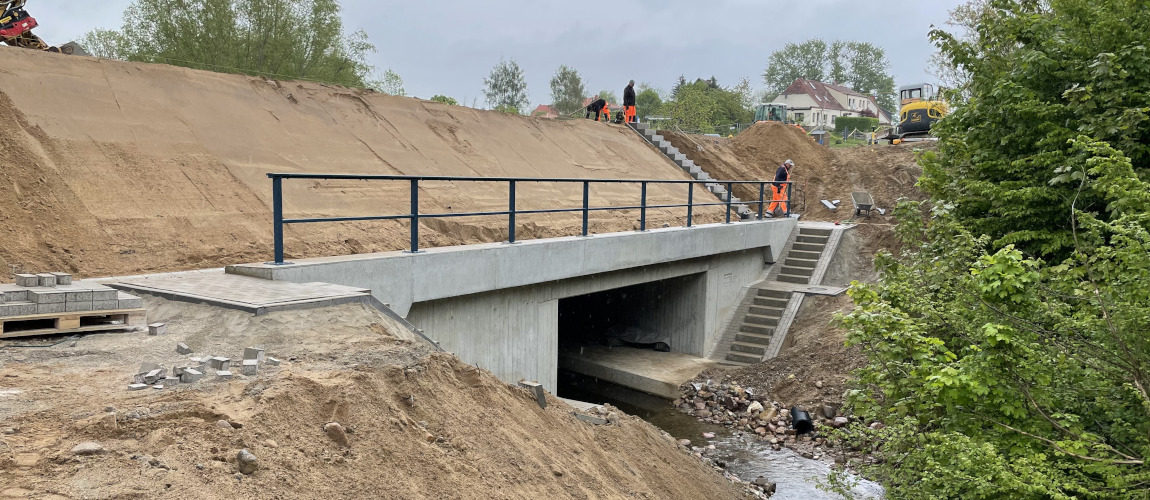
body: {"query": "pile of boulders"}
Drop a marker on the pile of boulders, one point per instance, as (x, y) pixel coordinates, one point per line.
(157, 377)
(744, 409)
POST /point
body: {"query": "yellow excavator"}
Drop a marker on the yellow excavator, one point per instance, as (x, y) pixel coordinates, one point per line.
(921, 107)
(16, 28)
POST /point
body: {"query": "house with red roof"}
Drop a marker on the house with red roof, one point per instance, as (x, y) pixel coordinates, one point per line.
(545, 111)
(812, 103)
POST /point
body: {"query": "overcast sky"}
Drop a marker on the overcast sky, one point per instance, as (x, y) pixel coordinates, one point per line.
(448, 46)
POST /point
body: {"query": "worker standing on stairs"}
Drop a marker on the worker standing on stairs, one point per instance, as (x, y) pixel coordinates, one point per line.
(781, 190)
(629, 103)
(598, 106)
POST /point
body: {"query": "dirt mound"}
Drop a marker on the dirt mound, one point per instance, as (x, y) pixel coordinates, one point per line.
(111, 167)
(887, 172)
(427, 426)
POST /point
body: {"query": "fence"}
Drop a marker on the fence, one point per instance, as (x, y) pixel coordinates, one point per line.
(414, 215)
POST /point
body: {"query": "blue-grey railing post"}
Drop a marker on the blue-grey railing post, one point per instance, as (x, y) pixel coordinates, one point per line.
(511, 212)
(278, 218)
(729, 196)
(762, 198)
(690, 201)
(586, 204)
(643, 209)
(414, 215)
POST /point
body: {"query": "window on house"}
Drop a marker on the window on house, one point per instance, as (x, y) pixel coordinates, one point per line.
(799, 117)
(832, 119)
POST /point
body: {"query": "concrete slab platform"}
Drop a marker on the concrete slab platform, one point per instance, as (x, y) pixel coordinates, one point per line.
(254, 295)
(579, 405)
(653, 372)
(800, 288)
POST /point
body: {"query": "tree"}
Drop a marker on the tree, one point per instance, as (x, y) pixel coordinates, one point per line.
(796, 60)
(567, 90)
(648, 100)
(389, 82)
(444, 99)
(859, 65)
(1040, 76)
(745, 93)
(704, 104)
(1005, 346)
(506, 88)
(608, 96)
(277, 38)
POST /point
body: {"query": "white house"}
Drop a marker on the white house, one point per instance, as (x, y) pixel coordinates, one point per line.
(812, 103)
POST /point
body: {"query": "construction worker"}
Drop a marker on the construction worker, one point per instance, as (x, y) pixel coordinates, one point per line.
(629, 103)
(599, 107)
(780, 192)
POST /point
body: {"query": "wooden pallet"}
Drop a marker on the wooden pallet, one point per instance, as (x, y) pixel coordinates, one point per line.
(72, 322)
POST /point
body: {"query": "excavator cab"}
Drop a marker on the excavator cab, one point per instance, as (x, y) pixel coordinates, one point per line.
(921, 108)
(16, 28)
(916, 93)
(773, 112)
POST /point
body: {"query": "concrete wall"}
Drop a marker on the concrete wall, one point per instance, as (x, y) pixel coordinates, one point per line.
(496, 305)
(400, 279)
(514, 333)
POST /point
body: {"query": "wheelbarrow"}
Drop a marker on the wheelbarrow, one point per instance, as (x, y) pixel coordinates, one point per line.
(863, 202)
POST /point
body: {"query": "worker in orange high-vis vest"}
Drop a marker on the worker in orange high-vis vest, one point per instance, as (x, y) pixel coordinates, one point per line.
(781, 193)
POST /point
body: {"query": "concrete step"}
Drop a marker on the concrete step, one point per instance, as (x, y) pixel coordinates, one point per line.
(801, 280)
(774, 294)
(727, 362)
(756, 319)
(770, 302)
(805, 231)
(803, 263)
(657, 140)
(679, 157)
(805, 255)
(808, 247)
(820, 240)
(753, 338)
(756, 330)
(797, 271)
(668, 149)
(702, 176)
(742, 357)
(756, 349)
(770, 312)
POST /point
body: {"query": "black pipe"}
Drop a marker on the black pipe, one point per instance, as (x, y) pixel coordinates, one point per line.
(801, 421)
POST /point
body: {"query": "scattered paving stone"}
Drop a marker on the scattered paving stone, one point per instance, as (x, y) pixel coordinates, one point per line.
(191, 375)
(88, 448)
(590, 419)
(220, 363)
(336, 433)
(250, 367)
(183, 348)
(246, 462)
(137, 387)
(157, 329)
(272, 361)
(224, 374)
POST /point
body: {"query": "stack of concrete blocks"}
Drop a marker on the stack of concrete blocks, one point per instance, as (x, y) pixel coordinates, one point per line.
(57, 293)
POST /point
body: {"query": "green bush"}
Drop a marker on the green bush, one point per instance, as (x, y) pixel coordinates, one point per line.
(845, 124)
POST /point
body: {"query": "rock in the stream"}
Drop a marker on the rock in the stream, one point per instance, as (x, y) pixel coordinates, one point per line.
(840, 422)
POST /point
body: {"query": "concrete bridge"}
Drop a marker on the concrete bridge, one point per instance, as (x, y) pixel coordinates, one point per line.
(505, 306)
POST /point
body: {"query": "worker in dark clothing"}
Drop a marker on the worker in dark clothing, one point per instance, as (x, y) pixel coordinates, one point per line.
(780, 190)
(629, 103)
(598, 106)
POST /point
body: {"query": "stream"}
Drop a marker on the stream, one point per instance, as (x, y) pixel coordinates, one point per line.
(795, 477)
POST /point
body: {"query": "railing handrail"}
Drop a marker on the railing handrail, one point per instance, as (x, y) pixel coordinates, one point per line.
(278, 220)
(272, 175)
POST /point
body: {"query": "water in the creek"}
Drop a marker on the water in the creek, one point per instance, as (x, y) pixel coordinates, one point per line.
(795, 477)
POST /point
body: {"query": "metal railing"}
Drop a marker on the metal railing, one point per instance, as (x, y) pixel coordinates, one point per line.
(414, 215)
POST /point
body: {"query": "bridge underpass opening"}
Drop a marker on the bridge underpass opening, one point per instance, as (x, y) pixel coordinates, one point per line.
(618, 336)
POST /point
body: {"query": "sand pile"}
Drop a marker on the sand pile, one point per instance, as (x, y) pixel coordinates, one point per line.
(110, 167)
(887, 172)
(410, 425)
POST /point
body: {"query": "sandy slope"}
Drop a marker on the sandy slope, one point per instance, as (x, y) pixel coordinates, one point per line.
(110, 167)
(345, 364)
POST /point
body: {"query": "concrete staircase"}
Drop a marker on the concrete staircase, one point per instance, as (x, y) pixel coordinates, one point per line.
(758, 328)
(679, 158)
